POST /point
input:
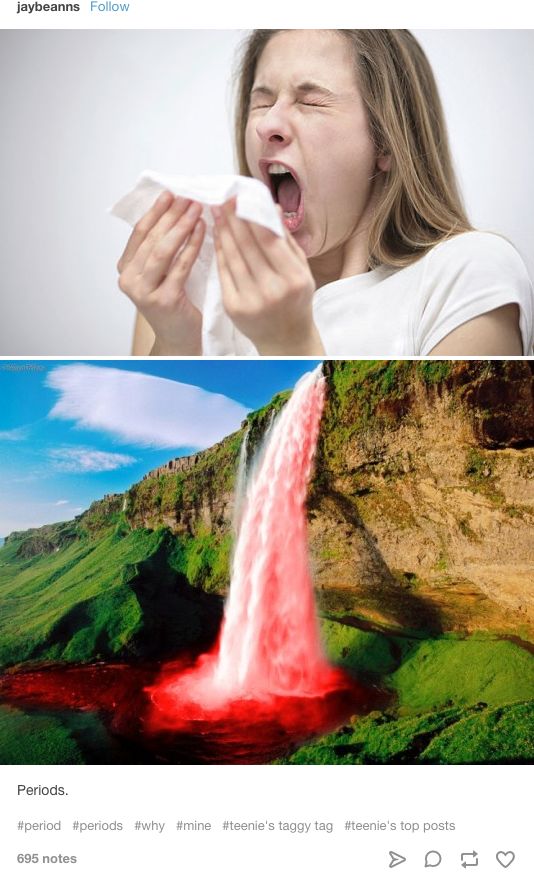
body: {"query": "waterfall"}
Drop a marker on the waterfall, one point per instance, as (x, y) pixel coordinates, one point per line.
(269, 644)
(269, 641)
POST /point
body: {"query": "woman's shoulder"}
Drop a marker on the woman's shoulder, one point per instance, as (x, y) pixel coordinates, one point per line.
(483, 253)
(467, 276)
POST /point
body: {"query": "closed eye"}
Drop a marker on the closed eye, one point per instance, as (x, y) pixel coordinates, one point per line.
(270, 105)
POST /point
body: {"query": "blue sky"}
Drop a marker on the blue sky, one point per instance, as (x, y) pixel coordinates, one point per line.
(72, 431)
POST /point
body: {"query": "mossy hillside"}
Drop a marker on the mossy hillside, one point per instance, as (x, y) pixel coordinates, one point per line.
(204, 559)
(493, 735)
(100, 598)
(356, 388)
(45, 540)
(37, 596)
(57, 738)
(368, 654)
(474, 735)
(365, 400)
(453, 700)
(101, 515)
(429, 673)
(462, 671)
(35, 739)
(258, 421)
(104, 515)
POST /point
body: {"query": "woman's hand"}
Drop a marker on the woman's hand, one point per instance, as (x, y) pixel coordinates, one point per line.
(267, 286)
(153, 274)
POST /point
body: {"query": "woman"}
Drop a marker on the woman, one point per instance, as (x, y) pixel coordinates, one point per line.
(379, 258)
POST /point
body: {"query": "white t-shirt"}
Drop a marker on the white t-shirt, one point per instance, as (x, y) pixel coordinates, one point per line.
(392, 312)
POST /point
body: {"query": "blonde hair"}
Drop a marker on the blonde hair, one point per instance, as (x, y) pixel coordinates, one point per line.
(420, 204)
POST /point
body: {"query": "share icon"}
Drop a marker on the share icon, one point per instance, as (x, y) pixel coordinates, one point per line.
(396, 859)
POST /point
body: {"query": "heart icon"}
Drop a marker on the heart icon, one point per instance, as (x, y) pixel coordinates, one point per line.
(505, 858)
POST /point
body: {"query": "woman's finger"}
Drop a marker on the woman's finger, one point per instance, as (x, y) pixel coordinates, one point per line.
(252, 254)
(278, 252)
(230, 295)
(164, 250)
(169, 219)
(256, 241)
(233, 257)
(143, 227)
(181, 268)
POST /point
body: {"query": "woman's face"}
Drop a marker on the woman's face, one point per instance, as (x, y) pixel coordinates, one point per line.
(307, 116)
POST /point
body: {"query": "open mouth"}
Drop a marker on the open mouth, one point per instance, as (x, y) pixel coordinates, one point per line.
(286, 191)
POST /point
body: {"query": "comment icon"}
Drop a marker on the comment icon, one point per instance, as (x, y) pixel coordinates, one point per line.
(432, 859)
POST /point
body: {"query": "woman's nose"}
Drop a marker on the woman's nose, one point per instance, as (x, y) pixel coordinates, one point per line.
(274, 126)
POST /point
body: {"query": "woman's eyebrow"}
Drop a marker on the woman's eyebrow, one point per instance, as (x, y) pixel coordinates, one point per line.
(307, 87)
(262, 89)
(303, 88)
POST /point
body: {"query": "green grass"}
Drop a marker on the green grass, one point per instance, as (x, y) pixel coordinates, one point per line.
(205, 559)
(32, 739)
(117, 595)
(85, 578)
(452, 700)
(449, 736)
(59, 738)
(502, 734)
(377, 738)
(436, 672)
(478, 464)
(356, 650)
(449, 670)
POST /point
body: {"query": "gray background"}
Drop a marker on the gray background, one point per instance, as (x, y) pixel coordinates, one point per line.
(84, 112)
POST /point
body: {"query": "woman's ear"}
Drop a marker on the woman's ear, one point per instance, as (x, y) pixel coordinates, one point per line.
(384, 162)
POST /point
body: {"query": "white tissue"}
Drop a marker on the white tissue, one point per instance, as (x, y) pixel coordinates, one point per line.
(253, 202)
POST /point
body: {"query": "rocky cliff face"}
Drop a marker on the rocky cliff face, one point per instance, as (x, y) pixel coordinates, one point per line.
(422, 507)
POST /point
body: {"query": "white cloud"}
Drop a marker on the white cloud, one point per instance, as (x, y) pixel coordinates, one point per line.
(141, 409)
(84, 460)
(19, 434)
(62, 502)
